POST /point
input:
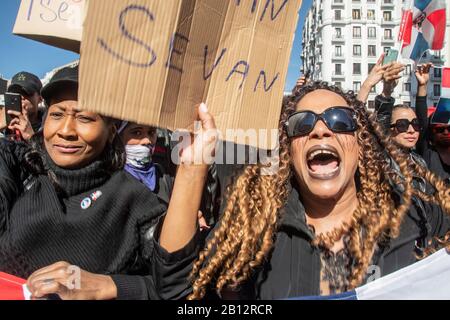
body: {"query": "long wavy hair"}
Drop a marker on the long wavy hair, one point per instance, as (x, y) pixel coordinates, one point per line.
(253, 205)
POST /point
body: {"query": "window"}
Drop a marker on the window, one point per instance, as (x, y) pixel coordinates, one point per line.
(338, 84)
(437, 90)
(357, 50)
(338, 32)
(356, 86)
(372, 32)
(357, 68)
(437, 72)
(372, 51)
(388, 34)
(357, 32)
(386, 49)
(408, 69)
(371, 104)
(407, 103)
(356, 14)
(338, 68)
(338, 51)
(407, 87)
(387, 15)
(337, 14)
(370, 14)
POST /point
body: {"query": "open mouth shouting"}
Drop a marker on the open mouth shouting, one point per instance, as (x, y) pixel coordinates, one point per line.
(323, 162)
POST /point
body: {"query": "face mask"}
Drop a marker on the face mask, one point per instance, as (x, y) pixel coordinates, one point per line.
(139, 156)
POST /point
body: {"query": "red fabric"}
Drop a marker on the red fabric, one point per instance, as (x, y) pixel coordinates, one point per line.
(446, 77)
(406, 28)
(431, 110)
(11, 288)
(437, 19)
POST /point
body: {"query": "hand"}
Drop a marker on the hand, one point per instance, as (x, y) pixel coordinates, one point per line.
(21, 123)
(203, 225)
(393, 71)
(391, 77)
(201, 147)
(376, 74)
(300, 82)
(70, 283)
(423, 74)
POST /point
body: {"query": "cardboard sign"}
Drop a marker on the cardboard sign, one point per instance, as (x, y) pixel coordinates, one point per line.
(152, 62)
(55, 22)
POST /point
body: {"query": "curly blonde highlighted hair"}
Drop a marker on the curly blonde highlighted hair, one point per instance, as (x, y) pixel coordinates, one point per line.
(254, 202)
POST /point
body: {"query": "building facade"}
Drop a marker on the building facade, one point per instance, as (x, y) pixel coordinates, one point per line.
(343, 39)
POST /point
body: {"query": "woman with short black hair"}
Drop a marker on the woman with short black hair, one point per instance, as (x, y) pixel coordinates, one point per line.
(65, 200)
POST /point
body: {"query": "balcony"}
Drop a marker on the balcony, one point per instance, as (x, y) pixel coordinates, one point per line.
(338, 20)
(337, 4)
(387, 22)
(338, 38)
(338, 57)
(387, 4)
(387, 40)
(338, 75)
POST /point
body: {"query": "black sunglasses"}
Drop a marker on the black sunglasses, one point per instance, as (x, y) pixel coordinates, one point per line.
(337, 119)
(441, 129)
(402, 125)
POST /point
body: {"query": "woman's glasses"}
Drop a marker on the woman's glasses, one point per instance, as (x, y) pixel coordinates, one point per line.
(402, 125)
(337, 119)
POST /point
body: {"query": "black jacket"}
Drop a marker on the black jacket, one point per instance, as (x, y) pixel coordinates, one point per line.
(383, 108)
(99, 221)
(294, 266)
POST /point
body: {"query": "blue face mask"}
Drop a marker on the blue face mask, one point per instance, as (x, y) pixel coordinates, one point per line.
(139, 156)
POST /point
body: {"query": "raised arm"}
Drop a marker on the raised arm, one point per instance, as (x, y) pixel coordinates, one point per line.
(423, 77)
(180, 223)
(374, 77)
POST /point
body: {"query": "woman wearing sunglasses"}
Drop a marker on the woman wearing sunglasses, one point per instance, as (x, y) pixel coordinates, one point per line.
(326, 222)
(405, 127)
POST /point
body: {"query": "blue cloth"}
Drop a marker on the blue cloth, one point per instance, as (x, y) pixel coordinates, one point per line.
(146, 176)
(351, 295)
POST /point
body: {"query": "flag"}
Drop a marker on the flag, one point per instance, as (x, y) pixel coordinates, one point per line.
(430, 15)
(423, 28)
(442, 113)
(13, 288)
(428, 279)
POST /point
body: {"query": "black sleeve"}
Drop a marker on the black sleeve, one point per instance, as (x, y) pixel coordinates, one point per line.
(383, 110)
(140, 284)
(422, 115)
(440, 222)
(131, 287)
(10, 186)
(172, 270)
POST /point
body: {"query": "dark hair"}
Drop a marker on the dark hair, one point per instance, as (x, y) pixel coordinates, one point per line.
(113, 156)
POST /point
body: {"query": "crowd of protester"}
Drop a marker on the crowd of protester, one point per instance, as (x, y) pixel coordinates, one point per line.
(354, 189)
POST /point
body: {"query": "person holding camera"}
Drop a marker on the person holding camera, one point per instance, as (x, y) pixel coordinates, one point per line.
(25, 123)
